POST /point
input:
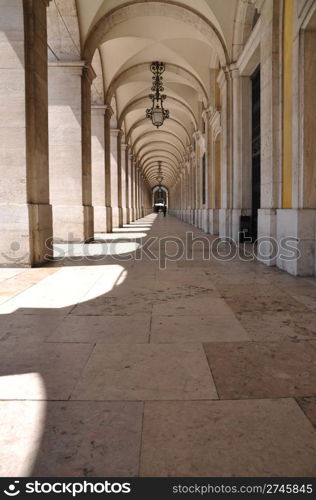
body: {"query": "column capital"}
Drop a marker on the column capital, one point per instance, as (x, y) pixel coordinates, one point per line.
(116, 132)
(108, 112)
(197, 135)
(207, 112)
(67, 64)
(99, 107)
(233, 70)
(89, 72)
(124, 145)
(85, 69)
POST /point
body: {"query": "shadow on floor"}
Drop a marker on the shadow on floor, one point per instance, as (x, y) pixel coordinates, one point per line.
(118, 368)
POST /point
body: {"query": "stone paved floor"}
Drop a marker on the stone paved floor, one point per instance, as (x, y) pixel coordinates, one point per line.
(114, 367)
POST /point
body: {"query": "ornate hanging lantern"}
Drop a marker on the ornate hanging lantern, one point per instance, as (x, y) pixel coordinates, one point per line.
(157, 113)
(159, 177)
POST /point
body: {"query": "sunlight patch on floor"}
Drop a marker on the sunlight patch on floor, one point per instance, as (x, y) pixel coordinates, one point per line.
(67, 287)
(22, 423)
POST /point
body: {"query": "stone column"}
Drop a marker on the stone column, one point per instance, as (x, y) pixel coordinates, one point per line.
(216, 182)
(98, 169)
(26, 220)
(137, 191)
(270, 132)
(129, 157)
(108, 171)
(132, 191)
(119, 178)
(70, 150)
(114, 160)
(297, 218)
(134, 200)
(87, 79)
(124, 182)
(142, 189)
(236, 152)
(225, 213)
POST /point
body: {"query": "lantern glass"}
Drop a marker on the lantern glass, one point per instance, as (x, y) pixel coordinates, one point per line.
(157, 116)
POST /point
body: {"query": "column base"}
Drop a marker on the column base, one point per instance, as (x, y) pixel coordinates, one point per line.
(235, 218)
(26, 230)
(204, 220)
(41, 221)
(128, 215)
(132, 214)
(88, 223)
(115, 217)
(99, 219)
(109, 223)
(213, 221)
(186, 216)
(124, 216)
(267, 219)
(72, 223)
(296, 233)
(120, 217)
(198, 218)
(225, 222)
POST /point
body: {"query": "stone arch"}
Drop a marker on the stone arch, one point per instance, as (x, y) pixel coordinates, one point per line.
(172, 68)
(172, 9)
(145, 120)
(151, 132)
(133, 105)
(167, 168)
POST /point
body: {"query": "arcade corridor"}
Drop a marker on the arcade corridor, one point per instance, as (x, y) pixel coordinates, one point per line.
(206, 368)
(141, 343)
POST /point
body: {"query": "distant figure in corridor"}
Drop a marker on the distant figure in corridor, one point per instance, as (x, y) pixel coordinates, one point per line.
(164, 210)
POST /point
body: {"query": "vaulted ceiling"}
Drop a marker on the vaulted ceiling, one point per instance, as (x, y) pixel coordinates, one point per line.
(122, 38)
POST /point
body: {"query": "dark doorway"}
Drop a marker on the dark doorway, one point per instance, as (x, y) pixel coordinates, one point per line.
(256, 153)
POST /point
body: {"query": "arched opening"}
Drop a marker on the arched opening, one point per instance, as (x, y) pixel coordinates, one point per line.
(160, 198)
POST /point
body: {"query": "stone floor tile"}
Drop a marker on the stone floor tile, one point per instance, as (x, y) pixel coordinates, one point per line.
(114, 306)
(279, 326)
(7, 273)
(28, 328)
(260, 341)
(239, 279)
(263, 369)
(177, 329)
(72, 439)
(308, 406)
(37, 370)
(265, 304)
(21, 424)
(196, 306)
(84, 440)
(269, 438)
(146, 372)
(251, 290)
(103, 330)
(308, 300)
